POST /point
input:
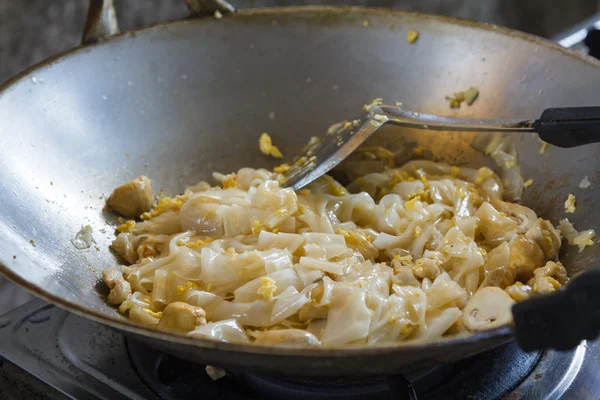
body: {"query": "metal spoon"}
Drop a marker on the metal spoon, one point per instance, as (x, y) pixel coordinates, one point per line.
(563, 127)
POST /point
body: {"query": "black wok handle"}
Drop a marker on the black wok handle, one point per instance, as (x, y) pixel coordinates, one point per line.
(560, 320)
(570, 126)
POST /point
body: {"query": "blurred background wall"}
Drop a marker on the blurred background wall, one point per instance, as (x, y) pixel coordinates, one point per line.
(32, 30)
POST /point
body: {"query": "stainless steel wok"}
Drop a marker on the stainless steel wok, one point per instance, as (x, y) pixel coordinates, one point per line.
(180, 100)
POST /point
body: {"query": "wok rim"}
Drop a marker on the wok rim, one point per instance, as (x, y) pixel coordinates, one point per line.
(499, 335)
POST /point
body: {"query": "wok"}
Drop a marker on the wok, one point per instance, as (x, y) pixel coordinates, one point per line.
(177, 101)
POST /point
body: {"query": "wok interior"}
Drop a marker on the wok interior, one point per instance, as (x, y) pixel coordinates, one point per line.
(179, 101)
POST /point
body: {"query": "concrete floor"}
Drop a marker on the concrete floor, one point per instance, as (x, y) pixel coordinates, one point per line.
(32, 30)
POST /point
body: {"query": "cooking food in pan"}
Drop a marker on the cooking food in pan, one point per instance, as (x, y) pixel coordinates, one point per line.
(413, 253)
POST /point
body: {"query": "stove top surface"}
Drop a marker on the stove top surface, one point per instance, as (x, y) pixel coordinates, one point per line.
(488, 376)
(86, 360)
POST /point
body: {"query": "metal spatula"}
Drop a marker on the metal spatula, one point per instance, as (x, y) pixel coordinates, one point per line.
(563, 127)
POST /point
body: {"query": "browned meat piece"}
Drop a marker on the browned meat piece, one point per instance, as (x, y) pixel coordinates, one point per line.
(132, 198)
(181, 317)
(119, 287)
(500, 277)
(526, 255)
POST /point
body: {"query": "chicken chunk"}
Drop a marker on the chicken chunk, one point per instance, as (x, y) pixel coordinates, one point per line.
(181, 317)
(500, 277)
(132, 198)
(525, 256)
(549, 278)
(498, 257)
(125, 245)
(519, 291)
(546, 237)
(119, 287)
(144, 316)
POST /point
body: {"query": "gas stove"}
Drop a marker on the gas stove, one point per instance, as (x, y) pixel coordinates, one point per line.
(85, 360)
(74, 357)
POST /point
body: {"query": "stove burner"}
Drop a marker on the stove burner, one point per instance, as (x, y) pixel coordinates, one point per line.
(490, 375)
(375, 388)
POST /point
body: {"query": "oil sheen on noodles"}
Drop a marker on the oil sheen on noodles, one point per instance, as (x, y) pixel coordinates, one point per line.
(414, 253)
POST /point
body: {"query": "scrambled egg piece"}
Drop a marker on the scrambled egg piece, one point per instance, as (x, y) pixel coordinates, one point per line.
(281, 169)
(267, 287)
(301, 161)
(570, 204)
(528, 183)
(410, 204)
(230, 181)
(230, 251)
(127, 226)
(181, 289)
(266, 146)
(405, 259)
(335, 188)
(483, 174)
(353, 237)
(468, 96)
(427, 268)
(412, 36)
(198, 243)
(256, 227)
(154, 314)
(396, 178)
(374, 103)
(423, 178)
(313, 141)
(164, 205)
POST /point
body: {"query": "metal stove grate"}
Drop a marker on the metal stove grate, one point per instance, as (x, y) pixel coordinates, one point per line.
(86, 360)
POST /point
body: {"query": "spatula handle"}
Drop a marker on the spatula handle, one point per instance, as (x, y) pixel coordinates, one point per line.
(570, 126)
